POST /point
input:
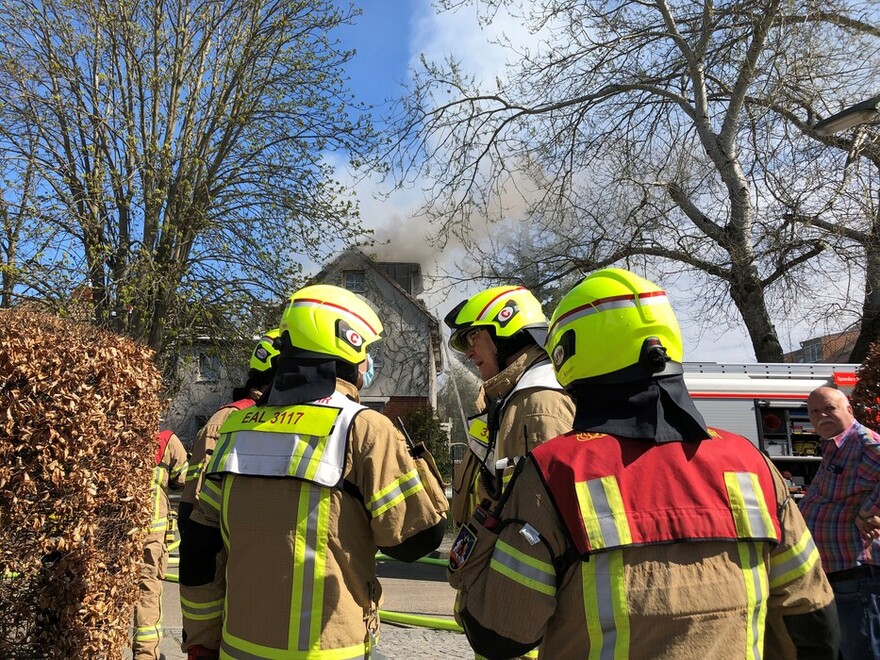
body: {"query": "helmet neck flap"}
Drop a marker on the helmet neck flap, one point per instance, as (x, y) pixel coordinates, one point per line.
(658, 409)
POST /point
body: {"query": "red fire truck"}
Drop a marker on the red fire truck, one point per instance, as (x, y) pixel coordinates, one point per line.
(767, 403)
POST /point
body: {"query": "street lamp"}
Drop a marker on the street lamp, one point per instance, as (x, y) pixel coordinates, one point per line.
(865, 112)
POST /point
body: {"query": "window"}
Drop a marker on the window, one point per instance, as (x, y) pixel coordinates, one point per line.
(405, 274)
(209, 367)
(813, 352)
(378, 406)
(353, 280)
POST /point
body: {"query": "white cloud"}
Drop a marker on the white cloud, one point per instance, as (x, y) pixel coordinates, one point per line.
(405, 236)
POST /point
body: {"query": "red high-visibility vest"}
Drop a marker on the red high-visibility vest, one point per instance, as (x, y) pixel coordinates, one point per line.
(615, 492)
(162, 440)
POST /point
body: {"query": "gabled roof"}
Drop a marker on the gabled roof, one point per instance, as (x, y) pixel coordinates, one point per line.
(354, 255)
(353, 258)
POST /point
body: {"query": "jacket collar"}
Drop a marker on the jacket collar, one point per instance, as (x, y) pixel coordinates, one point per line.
(502, 383)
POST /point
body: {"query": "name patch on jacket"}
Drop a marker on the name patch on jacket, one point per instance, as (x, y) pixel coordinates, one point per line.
(304, 441)
(462, 547)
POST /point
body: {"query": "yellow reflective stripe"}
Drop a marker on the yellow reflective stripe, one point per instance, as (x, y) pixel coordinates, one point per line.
(234, 648)
(603, 513)
(394, 493)
(158, 479)
(223, 511)
(194, 611)
(193, 471)
(309, 566)
(750, 513)
(221, 453)
(159, 524)
(523, 569)
(755, 581)
(604, 589)
(307, 460)
(795, 562)
(147, 634)
(211, 494)
(176, 471)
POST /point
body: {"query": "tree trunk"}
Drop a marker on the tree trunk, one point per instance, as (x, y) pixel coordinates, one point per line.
(870, 330)
(748, 296)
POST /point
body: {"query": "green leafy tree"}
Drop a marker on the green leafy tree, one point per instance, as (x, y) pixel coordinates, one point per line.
(423, 425)
(178, 150)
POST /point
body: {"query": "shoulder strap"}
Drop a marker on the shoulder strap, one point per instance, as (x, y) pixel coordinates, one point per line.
(241, 404)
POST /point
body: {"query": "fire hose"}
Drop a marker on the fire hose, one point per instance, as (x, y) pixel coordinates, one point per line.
(420, 620)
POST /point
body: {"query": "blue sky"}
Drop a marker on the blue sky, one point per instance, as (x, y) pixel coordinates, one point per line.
(388, 37)
(381, 39)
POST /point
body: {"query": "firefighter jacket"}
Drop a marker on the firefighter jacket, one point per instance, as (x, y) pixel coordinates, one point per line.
(526, 406)
(169, 472)
(203, 448)
(617, 548)
(303, 496)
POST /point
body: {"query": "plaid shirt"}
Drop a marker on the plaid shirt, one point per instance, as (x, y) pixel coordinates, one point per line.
(847, 483)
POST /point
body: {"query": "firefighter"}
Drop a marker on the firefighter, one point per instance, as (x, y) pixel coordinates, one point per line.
(170, 472)
(260, 373)
(502, 331)
(307, 487)
(642, 531)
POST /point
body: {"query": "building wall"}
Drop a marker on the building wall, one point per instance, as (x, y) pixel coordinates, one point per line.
(835, 347)
(204, 384)
(405, 364)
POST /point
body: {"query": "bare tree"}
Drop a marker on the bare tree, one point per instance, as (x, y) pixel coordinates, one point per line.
(179, 147)
(625, 129)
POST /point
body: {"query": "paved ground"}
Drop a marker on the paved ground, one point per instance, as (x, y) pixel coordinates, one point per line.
(409, 588)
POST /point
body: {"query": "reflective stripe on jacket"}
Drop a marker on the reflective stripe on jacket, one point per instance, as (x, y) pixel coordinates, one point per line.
(298, 558)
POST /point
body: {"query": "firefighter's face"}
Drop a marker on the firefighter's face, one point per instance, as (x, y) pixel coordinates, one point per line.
(482, 353)
(829, 411)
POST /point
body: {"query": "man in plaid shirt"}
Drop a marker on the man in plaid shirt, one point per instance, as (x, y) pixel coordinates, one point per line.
(842, 510)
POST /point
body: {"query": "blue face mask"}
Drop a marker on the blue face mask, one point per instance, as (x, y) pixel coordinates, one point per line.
(369, 374)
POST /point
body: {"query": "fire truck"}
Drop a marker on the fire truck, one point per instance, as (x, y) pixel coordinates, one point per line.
(767, 403)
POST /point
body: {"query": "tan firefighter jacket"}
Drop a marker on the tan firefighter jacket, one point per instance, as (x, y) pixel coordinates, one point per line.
(707, 599)
(169, 473)
(203, 448)
(539, 411)
(299, 552)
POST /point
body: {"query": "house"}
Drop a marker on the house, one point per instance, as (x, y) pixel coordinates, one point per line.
(407, 362)
(409, 359)
(832, 348)
(205, 374)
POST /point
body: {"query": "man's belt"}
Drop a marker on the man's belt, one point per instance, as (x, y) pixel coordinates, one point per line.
(864, 572)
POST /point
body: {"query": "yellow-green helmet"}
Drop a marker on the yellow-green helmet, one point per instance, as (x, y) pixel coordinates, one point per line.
(503, 310)
(612, 320)
(326, 320)
(265, 351)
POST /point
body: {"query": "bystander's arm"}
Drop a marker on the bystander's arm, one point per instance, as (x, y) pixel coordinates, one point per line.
(868, 517)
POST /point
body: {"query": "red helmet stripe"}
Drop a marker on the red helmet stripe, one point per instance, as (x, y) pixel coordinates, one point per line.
(327, 303)
(494, 300)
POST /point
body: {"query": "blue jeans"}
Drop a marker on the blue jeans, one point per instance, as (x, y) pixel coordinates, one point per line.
(858, 609)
